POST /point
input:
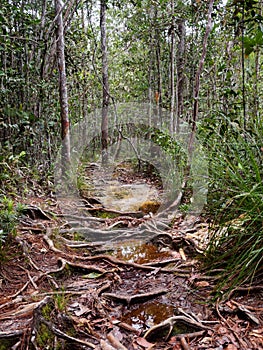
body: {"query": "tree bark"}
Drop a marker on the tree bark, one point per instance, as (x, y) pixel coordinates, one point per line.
(64, 115)
(105, 83)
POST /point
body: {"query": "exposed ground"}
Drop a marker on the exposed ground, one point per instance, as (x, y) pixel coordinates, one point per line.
(58, 291)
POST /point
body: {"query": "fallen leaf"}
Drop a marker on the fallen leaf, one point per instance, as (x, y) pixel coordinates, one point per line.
(181, 251)
(231, 347)
(144, 343)
(202, 284)
(92, 275)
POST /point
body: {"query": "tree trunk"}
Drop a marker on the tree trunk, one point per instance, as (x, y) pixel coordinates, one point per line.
(64, 115)
(105, 83)
(172, 124)
(158, 93)
(197, 78)
(180, 62)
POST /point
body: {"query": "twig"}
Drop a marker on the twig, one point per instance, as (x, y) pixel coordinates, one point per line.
(128, 327)
(191, 335)
(106, 346)
(245, 289)
(115, 342)
(240, 341)
(184, 344)
(63, 335)
(247, 306)
(25, 252)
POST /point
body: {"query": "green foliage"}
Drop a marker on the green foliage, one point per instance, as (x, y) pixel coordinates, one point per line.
(235, 201)
(8, 220)
(45, 338)
(9, 214)
(10, 171)
(170, 146)
(61, 300)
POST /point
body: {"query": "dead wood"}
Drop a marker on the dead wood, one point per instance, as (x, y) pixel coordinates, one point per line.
(22, 310)
(127, 327)
(136, 298)
(11, 334)
(105, 346)
(26, 249)
(191, 335)
(115, 342)
(243, 345)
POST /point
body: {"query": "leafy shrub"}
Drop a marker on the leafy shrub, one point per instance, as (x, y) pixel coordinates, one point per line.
(8, 219)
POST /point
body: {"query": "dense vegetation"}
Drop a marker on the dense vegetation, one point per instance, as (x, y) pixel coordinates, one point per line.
(157, 55)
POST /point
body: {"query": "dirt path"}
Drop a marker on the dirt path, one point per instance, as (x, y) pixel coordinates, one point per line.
(59, 291)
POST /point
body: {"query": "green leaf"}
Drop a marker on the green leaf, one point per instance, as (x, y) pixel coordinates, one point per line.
(92, 275)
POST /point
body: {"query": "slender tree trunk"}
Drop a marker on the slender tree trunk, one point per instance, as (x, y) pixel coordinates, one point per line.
(64, 115)
(197, 77)
(180, 81)
(158, 91)
(172, 124)
(105, 83)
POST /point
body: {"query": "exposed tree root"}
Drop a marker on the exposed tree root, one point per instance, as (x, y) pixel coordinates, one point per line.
(137, 298)
(169, 324)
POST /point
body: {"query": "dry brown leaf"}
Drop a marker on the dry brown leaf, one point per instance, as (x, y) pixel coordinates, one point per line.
(181, 251)
(202, 284)
(231, 347)
(144, 343)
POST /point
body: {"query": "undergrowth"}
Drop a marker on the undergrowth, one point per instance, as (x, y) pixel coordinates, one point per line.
(235, 202)
(9, 213)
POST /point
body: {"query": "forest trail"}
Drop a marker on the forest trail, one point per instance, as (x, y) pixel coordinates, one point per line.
(60, 291)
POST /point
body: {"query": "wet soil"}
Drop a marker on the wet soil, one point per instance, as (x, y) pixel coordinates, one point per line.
(59, 292)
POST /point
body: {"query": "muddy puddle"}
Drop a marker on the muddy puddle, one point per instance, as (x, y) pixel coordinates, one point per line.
(125, 197)
(147, 315)
(139, 252)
